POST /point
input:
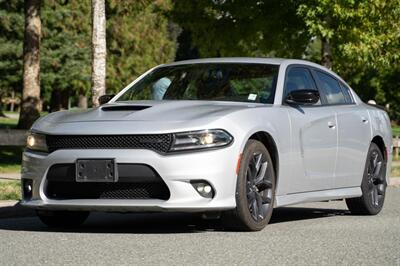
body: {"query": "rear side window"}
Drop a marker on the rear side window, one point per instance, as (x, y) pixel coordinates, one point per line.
(331, 89)
(347, 94)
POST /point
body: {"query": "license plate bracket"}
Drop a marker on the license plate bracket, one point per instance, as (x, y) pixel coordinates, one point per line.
(96, 170)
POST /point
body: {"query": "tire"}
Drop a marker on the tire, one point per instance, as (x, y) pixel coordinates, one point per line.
(373, 185)
(255, 190)
(62, 218)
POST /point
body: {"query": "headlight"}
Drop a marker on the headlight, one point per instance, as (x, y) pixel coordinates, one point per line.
(203, 139)
(36, 142)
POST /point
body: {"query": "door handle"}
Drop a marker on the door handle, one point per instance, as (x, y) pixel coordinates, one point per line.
(331, 125)
(364, 120)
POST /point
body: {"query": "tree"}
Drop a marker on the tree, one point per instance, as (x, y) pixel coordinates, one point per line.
(243, 28)
(65, 53)
(357, 39)
(364, 44)
(30, 109)
(354, 32)
(11, 39)
(139, 36)
(99, 50)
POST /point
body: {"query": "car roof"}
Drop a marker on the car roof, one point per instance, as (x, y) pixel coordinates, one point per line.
(273, 61)
(254, 60)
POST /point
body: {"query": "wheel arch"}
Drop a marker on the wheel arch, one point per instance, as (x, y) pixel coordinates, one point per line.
(268, 141)
(378, 140)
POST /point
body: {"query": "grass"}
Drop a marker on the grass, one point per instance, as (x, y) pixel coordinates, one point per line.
(8, 123)
(10, 159)
(396, 130)
(10, 190)
(11, 121)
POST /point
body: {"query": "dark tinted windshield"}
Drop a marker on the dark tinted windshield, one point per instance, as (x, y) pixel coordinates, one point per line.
(217, 82)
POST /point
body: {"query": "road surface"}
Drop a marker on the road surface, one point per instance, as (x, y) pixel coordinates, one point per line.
(318, 233)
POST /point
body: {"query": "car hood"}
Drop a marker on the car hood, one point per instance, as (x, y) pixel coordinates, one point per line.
(166, 114)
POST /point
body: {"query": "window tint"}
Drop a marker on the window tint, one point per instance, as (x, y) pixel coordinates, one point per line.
(347, 94)
(299, 78)
(207, 81)
(331, 88)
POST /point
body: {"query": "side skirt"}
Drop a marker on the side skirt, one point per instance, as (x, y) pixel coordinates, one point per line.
(331, 194)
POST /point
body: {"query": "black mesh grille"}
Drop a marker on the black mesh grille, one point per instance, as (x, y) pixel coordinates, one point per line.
(157, 142)
(73, 190)
(136, 181)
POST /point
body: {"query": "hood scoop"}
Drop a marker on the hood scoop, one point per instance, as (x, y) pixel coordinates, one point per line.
(125, 108)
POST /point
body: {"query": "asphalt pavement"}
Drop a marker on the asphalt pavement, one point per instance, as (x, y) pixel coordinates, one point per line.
(319, 234)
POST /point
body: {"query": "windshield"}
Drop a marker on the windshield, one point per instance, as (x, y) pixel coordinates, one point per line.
(212, 82)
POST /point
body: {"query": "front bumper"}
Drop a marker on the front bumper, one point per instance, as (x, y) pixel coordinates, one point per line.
(218, 167)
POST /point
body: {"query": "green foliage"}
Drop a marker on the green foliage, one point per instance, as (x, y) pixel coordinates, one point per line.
(10, 190)
(361, 32)
(65, 48)
(365, 40)
(396, 130)
(364, 36)
(9, 123)
(11, 39)
(243, 28)
(138, 38)
(10, 159)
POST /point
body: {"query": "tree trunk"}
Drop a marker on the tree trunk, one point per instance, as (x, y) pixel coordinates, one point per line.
(82, 103)
(1, 107)
(12, 104)
(98, 50)
(30, 105)
(326, 53)
(2, 114)
(59, 100)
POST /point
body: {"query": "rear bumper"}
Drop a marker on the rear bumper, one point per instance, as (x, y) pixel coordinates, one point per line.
(218, 167)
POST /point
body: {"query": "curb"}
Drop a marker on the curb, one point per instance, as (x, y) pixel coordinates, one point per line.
(14, 209)
(10, 176)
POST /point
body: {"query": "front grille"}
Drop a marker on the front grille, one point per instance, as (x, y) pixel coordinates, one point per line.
(135, 181)
(73, 190)
(156, 142)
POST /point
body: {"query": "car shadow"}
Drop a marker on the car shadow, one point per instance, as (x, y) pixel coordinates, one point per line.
(292, 214)
(162, 223)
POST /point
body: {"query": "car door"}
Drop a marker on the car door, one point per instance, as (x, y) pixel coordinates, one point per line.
(313, 137)
(354, 132)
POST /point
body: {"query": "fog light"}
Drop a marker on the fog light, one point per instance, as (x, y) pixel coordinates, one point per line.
(27, 188)
(203, 188)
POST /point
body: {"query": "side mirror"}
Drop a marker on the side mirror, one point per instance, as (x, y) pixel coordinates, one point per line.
(105, 98)
(303, 97)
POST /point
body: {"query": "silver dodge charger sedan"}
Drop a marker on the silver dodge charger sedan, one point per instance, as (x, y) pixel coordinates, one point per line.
(229, 137)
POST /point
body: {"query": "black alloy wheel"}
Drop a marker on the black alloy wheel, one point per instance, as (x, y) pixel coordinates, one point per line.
(259, 187)
(255, 190)
(373, 185)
